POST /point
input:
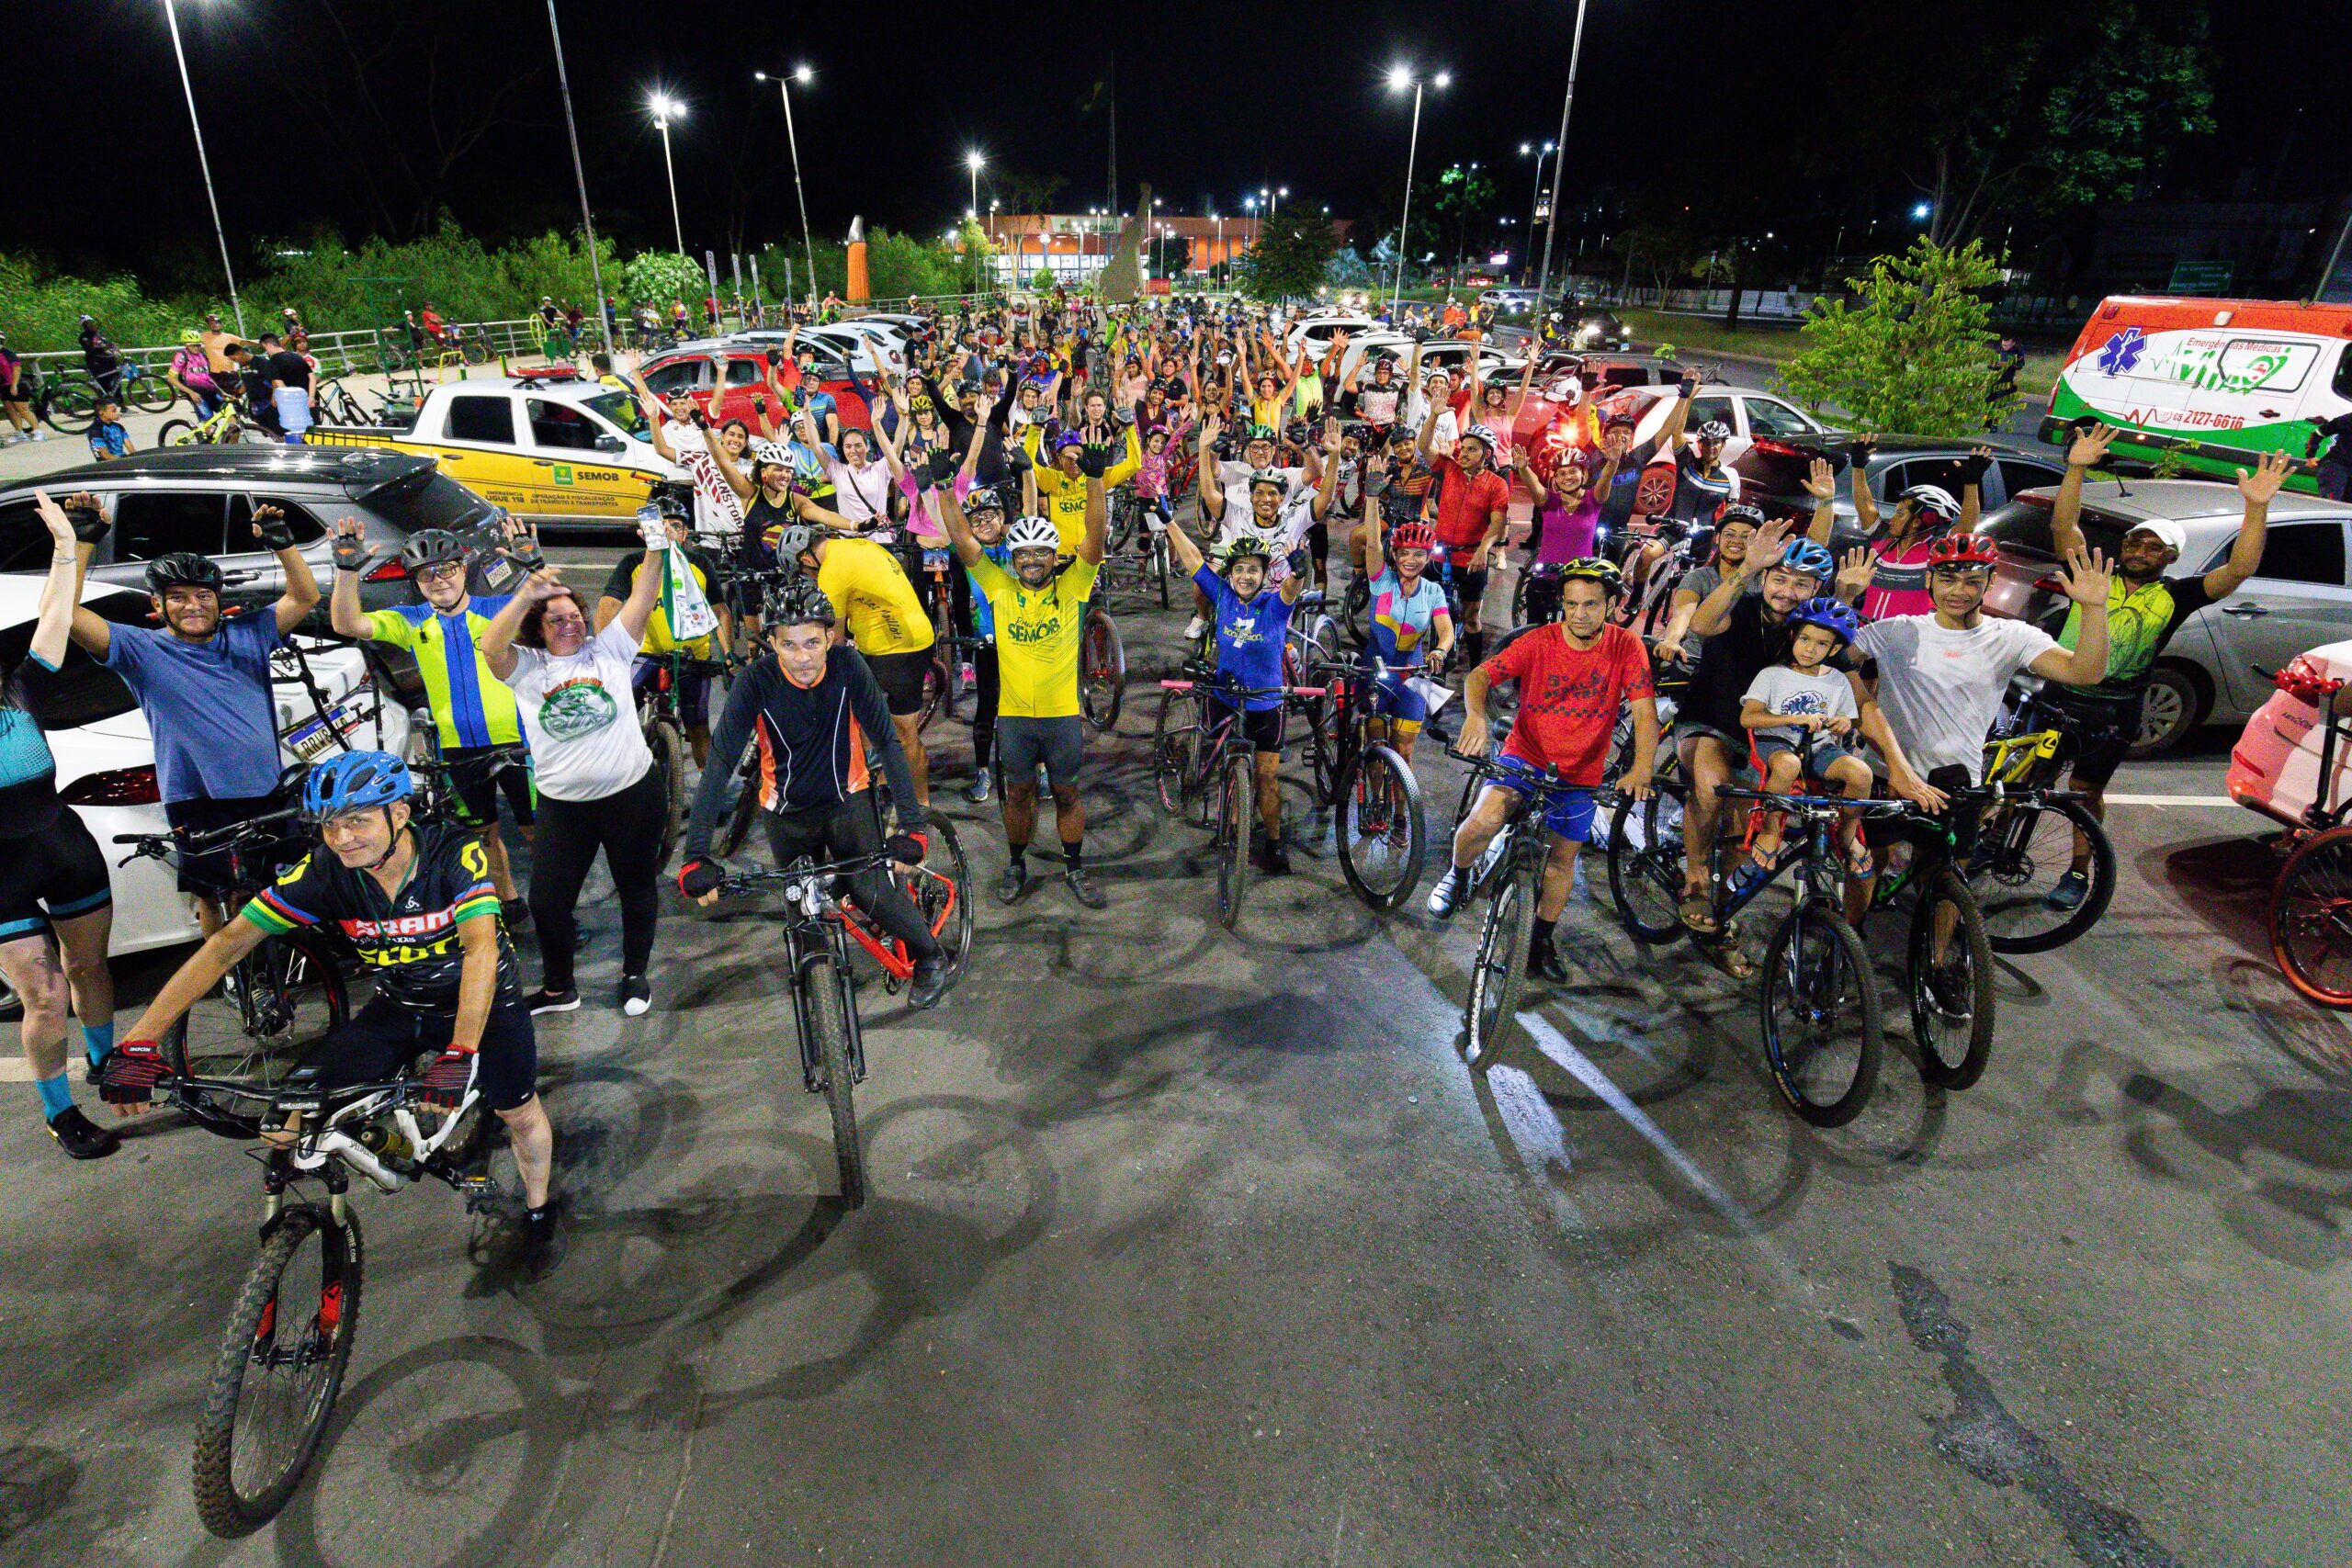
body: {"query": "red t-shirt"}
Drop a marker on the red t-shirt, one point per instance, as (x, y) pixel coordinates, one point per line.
(1568, 697)
(1464, 502)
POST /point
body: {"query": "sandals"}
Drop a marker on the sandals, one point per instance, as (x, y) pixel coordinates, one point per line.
(1697, 915)
(1729, 957)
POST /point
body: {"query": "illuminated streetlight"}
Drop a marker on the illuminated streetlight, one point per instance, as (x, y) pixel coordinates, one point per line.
(1400, 78)
(802, 74)
(666, 109)
(1535, 203)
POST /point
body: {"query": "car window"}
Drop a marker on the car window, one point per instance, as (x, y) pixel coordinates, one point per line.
(678, 376)
(307, 528)
(24, 538)
(746, 372)
(80, 690)
(2305, 552)
(148, 523)
(1942, 472)
(2344, 374)
(426, 498)
(2016, 474)
(1769, 416)
(1704, 409)
(490, 419)
(623, 409)
(560, 426)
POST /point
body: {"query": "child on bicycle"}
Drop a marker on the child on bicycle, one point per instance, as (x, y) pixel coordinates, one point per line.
(1151, 485)
(1803, 695)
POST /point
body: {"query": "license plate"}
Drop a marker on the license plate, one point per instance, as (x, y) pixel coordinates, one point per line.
(312, 739)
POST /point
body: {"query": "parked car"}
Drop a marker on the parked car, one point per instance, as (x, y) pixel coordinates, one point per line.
(106, 756)
(2298, 597)
(1772, 470)
(2274, 766)
(1581, 324)
(1750, 413)
(202, 499)
(1316, 332)
(722, 376)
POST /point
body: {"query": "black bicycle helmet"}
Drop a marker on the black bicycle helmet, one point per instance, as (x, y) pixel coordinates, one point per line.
(797, 602)
(431, 546)
(673, 506)
(182, 568)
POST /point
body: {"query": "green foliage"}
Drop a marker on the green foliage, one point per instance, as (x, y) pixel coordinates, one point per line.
(1044, 280)
(1914, 353)
(1347, 270)
(657, 277)
(2169, 465)
(40, 312)
(1289, 257)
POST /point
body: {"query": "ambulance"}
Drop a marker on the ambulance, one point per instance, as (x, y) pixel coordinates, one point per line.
(2214, 382)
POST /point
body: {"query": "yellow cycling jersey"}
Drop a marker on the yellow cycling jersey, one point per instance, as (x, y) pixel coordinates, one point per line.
(878, 607)
(1036, 638)
(1064, 496)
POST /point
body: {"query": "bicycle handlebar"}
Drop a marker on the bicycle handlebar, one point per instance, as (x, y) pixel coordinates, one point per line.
(155, 845)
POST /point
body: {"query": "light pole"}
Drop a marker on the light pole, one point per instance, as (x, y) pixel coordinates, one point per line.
(172, 16)
(1552, 226)
(665, 109)
(800, 74)
(1535, 205)
(1400, 78)
(973, 164)
(1249, 204)
(1219, 257)
(580, 175)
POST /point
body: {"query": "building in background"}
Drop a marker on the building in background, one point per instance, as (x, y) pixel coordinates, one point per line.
(1074, 246)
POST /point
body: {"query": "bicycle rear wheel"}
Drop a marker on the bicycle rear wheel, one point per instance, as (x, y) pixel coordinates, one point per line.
(1377, 827)
(1501, 970)
(2310, 919)
(1645, 867)
(283, 995)
(1820, 1013)
(2021, 853)
(1102, 672)
(280, 1368)
(148, 393)
(829, 1007)
(737, 827)
(70, 408)
(946, 908)
(1951, 1000)
(1236, 800)
(668, 748)
(176, 432)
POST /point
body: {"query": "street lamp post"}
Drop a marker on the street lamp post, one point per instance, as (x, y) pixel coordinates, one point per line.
(1560, 159)
(172, 16)
(973, 163)
(580, 175)
(1535, 204)
(663, 110)
(1249, 204)
(800, 74)
(1399, 79)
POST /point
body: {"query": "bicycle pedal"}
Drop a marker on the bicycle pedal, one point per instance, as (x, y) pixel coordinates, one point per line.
(478, 1192)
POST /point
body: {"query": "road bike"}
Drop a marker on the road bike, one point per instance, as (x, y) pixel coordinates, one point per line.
(292, 1325)
(818, 927)
(1206, 769)
(1377, 828)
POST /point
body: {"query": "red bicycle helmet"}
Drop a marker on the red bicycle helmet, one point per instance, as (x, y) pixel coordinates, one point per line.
(1963, 549)
(1412, 537)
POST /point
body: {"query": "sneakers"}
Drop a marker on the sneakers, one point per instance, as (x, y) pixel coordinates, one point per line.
(547, 1000)
(1447, 893)
(1273, 857)
(636, 995)
(80, 1137)
(980, 788)
(1081, 887)
(515, 912)
(1193, 628)
(1012, 881)
(2072, 889)
(930, 980)
(1544, 964)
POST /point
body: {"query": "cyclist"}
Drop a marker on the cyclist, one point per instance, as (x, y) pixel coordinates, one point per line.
(694, 686)
(1038, 610)
(815, 713)
(984, 513)
(414, 899)
(1574, 676)
(1937, 680)
(1473, 503)
(473, 710)
(191, 374)
(1252, 626)
(1735, 527)
(881, 615)
(2144, 608)
(17, 396)
(1805, 691)
(1408, 606)
(1062, 480)
(203, 682)
(1617, 433)
(1568, 515)
(678, 429)
(1923, 516)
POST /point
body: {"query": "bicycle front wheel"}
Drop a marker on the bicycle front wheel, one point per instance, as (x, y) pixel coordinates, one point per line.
(1822, 1032)
(176, 432)
(829, 1007)
(668, 748)
(938, 691)
(281, 1366)
(285, 993)
(2310, 919)
(72, 409)
(1951, 983)
(1102, 672)
(1378, 828)
(1645, 867)
(2022, 855)
(1501, 970)
(1236, 798)
(1175, 734)
(946, 906)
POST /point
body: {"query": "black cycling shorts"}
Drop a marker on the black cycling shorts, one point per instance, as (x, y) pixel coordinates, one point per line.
(2102, 730)
(1470, 588)
(900, 677)
(384, 1039)
(217, 871)
(1023, 743)
(58, 873)
(1263, 727)
(478, 789)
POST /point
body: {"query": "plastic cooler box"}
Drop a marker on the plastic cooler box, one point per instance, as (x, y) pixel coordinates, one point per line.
(2274, 768)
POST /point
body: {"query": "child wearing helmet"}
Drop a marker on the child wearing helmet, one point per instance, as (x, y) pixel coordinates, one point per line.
(1797, 712)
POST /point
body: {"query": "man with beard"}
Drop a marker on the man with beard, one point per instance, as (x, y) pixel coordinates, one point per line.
(2145, 607)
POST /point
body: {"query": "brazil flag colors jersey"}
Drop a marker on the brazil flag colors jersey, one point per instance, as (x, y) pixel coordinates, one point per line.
(470, 706)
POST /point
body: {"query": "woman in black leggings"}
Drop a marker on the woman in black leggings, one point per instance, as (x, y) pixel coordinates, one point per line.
(598, 787)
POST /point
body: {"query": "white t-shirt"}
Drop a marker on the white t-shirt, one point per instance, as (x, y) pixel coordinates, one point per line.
(1941, 689)
(580, 716)
(1781, 688)
(718, 515)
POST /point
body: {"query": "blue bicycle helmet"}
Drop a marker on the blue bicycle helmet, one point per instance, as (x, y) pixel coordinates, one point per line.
(1803, 555)
(1833, 616)
(353, 781)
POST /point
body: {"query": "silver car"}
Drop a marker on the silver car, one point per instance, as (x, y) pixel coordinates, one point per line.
(2215, 670)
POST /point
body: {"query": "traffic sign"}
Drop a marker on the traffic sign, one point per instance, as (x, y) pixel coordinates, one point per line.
(2200, 277)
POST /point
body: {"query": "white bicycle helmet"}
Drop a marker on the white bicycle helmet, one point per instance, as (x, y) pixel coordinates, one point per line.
(775, 452)
(1934, 499)
(1484, 433)
(1030, 533)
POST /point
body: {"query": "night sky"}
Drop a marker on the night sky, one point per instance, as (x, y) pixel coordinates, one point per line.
(1213, 100)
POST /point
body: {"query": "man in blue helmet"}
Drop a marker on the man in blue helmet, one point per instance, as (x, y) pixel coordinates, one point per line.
(416, 900)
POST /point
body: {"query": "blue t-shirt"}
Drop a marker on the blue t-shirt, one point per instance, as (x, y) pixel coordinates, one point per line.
(1400, 620)
(1249, 635)
(207, 705)
(109, 441)
(820, 405)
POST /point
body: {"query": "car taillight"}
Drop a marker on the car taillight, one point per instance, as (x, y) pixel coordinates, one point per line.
(1776, 449)
(391, 572)
(114, 787)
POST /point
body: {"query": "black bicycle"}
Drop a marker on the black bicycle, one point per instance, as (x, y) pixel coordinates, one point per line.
(1206, 768)
(1377, 829)
(1511, 873)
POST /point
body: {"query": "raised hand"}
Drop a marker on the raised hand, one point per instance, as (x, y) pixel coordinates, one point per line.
(2088, 449)
(2086, 577)
(272, 527)
(2261, 485)
(347, 541)
(1821, 480)
(1854, 573)
(1765, 546)
(61, 527)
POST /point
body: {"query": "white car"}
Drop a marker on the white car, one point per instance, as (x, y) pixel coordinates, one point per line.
(106, 756)
(872, 346)
(1316, 332)
(1749, 411)
(1437, 353)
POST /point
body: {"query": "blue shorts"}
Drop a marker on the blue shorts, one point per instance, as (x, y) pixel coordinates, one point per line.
(1826, 752)
(1394, 697)
(1566, 809)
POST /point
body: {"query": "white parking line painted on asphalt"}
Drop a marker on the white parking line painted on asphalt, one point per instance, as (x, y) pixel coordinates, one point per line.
(2203, 800)
(14, 1069)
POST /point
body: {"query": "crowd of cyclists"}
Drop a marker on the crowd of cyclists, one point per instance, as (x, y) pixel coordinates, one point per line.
(806, 563)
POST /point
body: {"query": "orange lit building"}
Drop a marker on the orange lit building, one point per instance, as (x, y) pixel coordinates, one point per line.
(1075, 245)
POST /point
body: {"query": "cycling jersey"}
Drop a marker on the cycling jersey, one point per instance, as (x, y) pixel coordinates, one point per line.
(1697, 493)
(1036, 638)
(983, 618)
(28, 771)
(815, 742)
(471, 707)
(1064, 495)
(1466, 503)
(878, 605)
(1401, 619)
(1569, 696)
(2140, 621)
(1899, 581)
(410, 938)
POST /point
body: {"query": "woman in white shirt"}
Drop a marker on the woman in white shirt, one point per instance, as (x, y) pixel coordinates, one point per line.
(598, 788)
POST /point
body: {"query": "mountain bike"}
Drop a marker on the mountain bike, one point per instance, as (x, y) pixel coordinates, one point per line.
(2028, 841)
(1376, 799)
(1206, 768)
(1511, 873)
(943, 680)
(227, 425)
(817, 928)
(1101, 668)
(288, 1343)
(1134, 558)
(331, 403)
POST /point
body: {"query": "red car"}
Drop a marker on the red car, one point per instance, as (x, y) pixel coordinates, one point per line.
(723, 374)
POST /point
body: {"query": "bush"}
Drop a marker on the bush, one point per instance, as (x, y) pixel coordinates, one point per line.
(1913, 352)
(42, 311)
(1044, 281)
